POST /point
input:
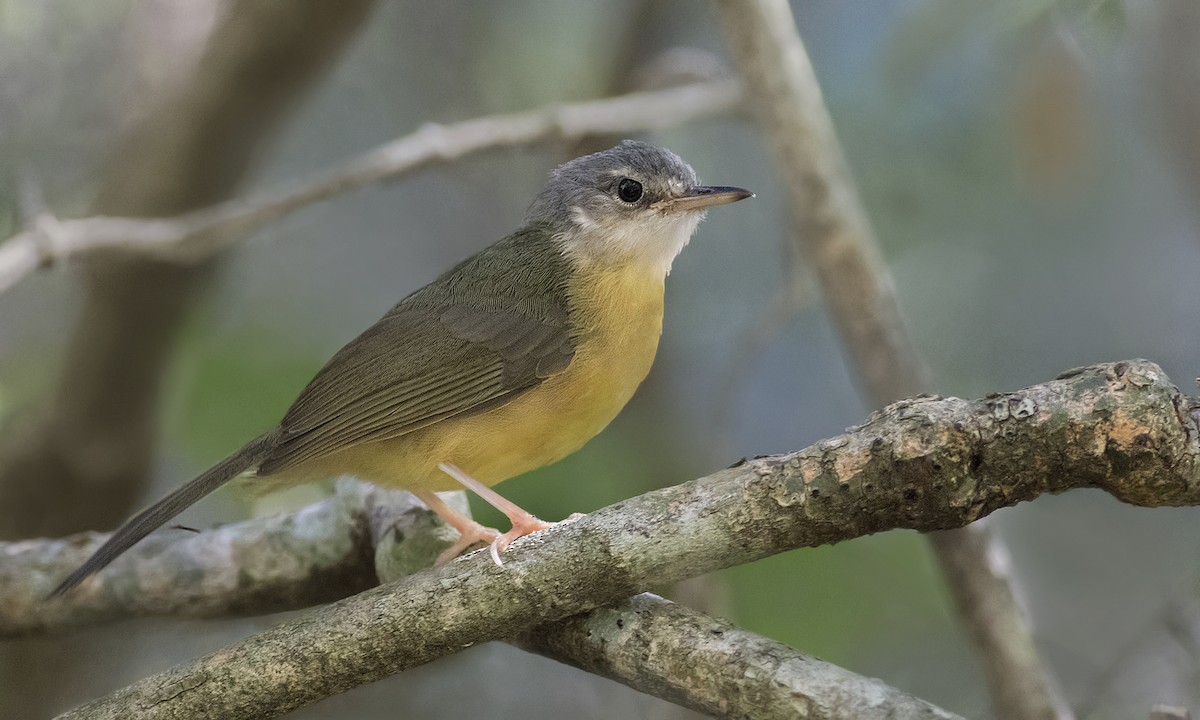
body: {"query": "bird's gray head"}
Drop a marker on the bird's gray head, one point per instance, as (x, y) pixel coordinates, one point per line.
(631, 204)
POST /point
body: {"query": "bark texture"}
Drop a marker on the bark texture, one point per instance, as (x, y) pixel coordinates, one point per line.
(927, 464)
(714, 667)
(195, 235)
(319, 554)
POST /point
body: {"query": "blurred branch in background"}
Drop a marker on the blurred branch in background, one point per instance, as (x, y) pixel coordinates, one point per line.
(638, 37)
(1174, 81)
(711, 666)
(834, 232)
(1161, 711)
(85, 464)
(830, 225)
(924, 464)
(83, 461)
(199, 234)
(1052, 122)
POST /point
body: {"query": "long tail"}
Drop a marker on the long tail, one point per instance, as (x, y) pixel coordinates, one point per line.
(160, 512)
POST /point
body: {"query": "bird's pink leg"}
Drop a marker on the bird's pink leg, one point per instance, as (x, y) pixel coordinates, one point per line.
(469, 531)
(522, 522)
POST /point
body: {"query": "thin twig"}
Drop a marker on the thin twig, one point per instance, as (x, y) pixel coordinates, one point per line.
(831, 228)
(1162, 711)
(199, 234)
(924, 464)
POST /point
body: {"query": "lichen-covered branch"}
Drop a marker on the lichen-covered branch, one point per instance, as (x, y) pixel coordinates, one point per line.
(335, 547)
(926, 464)
(321, 553)
(203, 232)
(714, 667)
(831, 228)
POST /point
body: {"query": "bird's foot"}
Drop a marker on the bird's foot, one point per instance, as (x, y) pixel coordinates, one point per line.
(466, 538)
(521, 526)
(469, 531)
(523, 523)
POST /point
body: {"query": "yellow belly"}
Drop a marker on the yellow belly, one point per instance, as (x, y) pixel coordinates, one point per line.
(618, 316)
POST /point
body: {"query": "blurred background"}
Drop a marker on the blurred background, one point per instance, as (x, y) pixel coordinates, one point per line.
(1031, 168)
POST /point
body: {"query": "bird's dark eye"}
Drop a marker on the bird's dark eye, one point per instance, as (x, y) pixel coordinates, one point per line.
(629, 190)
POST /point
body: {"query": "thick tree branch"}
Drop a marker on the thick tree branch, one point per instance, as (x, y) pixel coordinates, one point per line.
(925, 464)
(831, 228)
(334, 548)
(683, 656)
(203, 232)
(714, 667)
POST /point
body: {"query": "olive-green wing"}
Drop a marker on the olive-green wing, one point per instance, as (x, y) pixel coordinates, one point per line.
(482, 334)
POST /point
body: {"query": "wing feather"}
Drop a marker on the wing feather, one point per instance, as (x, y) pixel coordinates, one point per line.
(488, 330)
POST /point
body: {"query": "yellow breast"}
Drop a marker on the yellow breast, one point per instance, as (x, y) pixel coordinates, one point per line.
(617, 314)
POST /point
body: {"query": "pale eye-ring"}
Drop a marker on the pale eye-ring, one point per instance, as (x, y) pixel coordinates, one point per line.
(629, 190)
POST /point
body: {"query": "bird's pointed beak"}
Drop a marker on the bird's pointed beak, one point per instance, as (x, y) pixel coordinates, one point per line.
(704, 196)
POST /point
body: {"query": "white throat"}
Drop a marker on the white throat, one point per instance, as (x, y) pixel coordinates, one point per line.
(652, 241)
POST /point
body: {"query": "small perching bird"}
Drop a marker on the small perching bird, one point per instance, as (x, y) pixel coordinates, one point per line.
(509, 361)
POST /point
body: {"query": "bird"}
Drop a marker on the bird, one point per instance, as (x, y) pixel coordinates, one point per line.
(509, 361)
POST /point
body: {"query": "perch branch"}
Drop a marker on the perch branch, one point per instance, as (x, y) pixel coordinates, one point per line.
(201, 233)
(335, 547)
(925, 464)
(686, 657)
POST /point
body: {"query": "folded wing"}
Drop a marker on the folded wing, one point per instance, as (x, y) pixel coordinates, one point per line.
(485, 332)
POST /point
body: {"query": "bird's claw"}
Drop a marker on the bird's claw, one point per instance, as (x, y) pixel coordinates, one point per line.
(526, 526)
(481, 535)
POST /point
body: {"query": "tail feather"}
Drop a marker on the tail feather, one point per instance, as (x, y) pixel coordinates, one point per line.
(160, 512)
